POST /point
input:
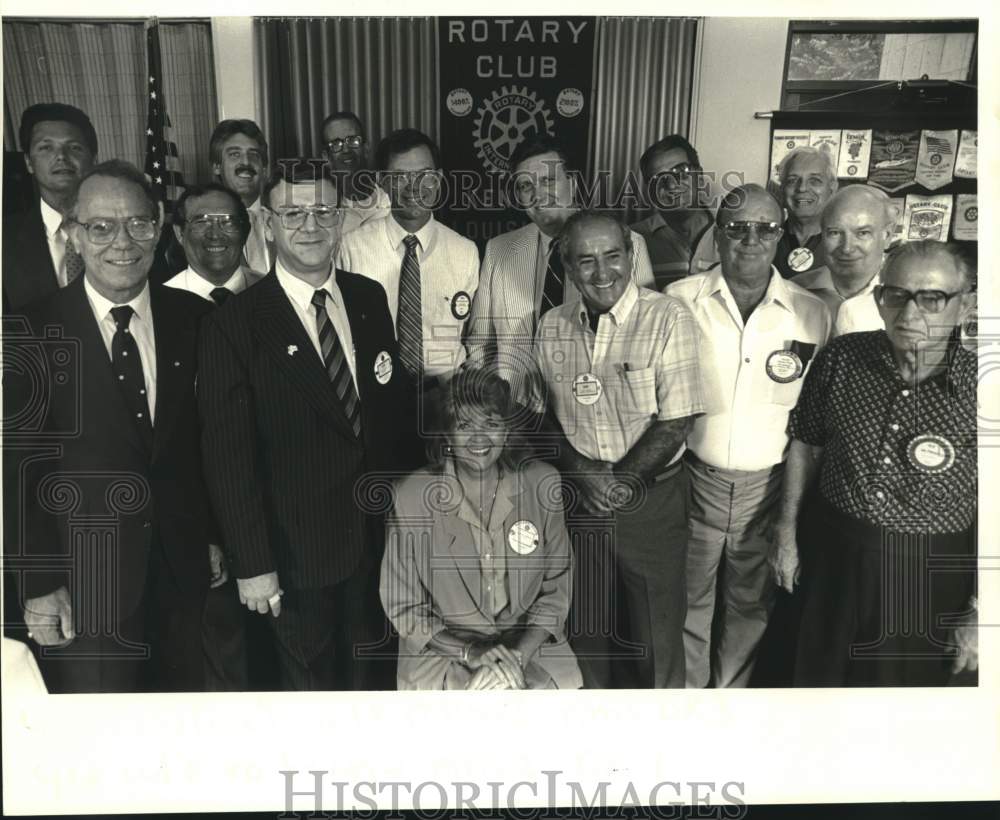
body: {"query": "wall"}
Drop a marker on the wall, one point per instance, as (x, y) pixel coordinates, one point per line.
(233, 49)
(740, 72)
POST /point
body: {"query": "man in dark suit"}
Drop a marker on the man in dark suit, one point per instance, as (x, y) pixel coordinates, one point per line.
(59, 145)
(300, 389)
(114, 548)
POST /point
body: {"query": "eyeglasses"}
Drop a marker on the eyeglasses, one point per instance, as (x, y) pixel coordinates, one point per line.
(104, 231)
(227, 223)
(738, 231)
(673, 176)
(928, 301)
(326, 216)
(338, 145)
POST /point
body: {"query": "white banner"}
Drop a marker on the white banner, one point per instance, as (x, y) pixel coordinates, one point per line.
(966, 217)
(965, 164)
(927, 217)
(936, 158)
(855, 153)
(783, 142)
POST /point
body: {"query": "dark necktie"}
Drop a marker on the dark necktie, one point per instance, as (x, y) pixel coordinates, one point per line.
(554, 286)
(72, 262)
(127, 367)
(219, 295)
(336, 362)
(409, 322)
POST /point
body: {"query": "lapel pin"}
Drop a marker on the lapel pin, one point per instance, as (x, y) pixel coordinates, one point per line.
(177, 364)
(293, 349)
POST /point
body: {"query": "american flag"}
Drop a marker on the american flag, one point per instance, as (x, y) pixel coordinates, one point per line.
(162, 165)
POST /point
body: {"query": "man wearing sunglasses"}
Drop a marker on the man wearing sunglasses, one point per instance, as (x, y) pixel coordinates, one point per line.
(671, 173)
(300, 393)
(857, 228)
(127, 616)
(880, 491)
(757, 334)
(346, 150)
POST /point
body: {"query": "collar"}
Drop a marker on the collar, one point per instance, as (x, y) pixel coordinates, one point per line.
(200, 286)
(51, 218)
(396, 232)
(777, 288)
(961, 364)
(502, 504)
(102, 306)
(257, 207)
(619, 311)
(302, 292)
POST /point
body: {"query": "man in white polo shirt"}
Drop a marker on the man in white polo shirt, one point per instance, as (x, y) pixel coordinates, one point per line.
(758, 333)
(857, 229)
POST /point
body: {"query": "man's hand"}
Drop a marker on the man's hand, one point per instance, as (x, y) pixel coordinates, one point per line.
(505, 662)
(967, 640)
(260, 592)
(217, 566)
(784, 558)
(50, 618)
(486, 678)
(596, 483)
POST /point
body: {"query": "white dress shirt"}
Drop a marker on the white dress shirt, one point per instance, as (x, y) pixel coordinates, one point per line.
(358, 212)
(56, 238)
(746, 410)
(852, 315)
(190, 280)
(449, 276)
(300, 294)
(255, 250)
(140, 327)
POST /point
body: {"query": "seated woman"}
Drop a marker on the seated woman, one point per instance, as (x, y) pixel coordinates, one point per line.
(477, 570)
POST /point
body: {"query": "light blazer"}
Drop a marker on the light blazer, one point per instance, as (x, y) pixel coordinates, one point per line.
(432, 576)
(281, 460)
(28, 273)
(504, 312)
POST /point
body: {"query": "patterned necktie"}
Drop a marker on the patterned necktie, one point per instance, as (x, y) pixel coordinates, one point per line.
(554, 286)
(408, 315)
(336, 362)
(255, 249)
(72, 261)
(127, 367)
(219, 295)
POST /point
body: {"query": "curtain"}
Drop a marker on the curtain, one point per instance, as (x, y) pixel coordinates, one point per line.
(643, 76)
(101, 68)
(382, 69)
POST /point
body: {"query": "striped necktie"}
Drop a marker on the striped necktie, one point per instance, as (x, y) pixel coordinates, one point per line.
(336, 363)
(409, 323)
(554, 285)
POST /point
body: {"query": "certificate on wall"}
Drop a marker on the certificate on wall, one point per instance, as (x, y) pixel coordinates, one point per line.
(927, 217)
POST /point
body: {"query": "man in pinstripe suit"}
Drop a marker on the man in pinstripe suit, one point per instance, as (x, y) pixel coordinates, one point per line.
(517, 266)
(299, 393)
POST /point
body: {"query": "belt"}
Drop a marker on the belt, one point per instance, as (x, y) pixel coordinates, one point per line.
(668, 472)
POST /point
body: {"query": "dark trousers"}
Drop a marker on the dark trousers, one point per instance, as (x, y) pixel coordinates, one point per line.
(224, 638)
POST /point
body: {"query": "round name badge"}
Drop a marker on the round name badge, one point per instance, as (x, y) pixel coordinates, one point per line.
(800, 259)
(523, 537)
(460, 304)
(931, 454)
(783, 366)
(383, 367)
(587, 388)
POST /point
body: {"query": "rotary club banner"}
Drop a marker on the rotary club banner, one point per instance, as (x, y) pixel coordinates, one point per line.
(927, 217)
(783, 142)
(899, 208)
(893, 159)
(503, 81)
(966, 218)
(855, 152)
(965, 163)
(936, 158)
(828, 141)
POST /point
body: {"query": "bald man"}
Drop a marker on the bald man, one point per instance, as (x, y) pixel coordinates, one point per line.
(857, 226)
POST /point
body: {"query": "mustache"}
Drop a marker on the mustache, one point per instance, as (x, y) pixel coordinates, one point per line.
(241, 168)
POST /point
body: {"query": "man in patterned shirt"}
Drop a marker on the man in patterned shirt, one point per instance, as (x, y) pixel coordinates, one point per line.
(887, 420)
(620, 368)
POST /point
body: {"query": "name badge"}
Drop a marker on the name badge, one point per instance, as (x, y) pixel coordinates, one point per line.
(522, 537)
(800, 259)
(931, 454)
(461, 302)
(383, 367)
(587, 388)
(783, 366)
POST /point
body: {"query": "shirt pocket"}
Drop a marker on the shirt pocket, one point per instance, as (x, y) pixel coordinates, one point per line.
(639, 392)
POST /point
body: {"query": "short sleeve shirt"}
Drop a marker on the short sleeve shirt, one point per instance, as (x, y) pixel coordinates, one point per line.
(897, 455)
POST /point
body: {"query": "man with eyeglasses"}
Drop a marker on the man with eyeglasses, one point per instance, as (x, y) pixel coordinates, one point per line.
(118, 517)
(857, 227)
(521, 276)
(757, 335)
(238, 152)
(346, 151)
(880, 490)
(671, 172)
(59, 144)
(300, 392)
(430, 273)
(211, 223)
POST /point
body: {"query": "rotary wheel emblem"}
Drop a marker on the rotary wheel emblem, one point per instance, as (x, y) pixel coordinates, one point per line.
(504, 119)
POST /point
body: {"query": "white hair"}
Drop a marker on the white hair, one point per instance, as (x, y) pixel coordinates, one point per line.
(889, 211)
(808, 151)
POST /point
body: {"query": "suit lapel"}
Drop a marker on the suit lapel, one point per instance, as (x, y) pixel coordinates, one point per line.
(281, 334)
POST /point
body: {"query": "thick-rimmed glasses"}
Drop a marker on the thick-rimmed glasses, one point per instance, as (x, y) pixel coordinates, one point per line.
(740, 230)
(227, 223)
(928, 301)
(335, 146)
(326, 216)
(103, 231)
